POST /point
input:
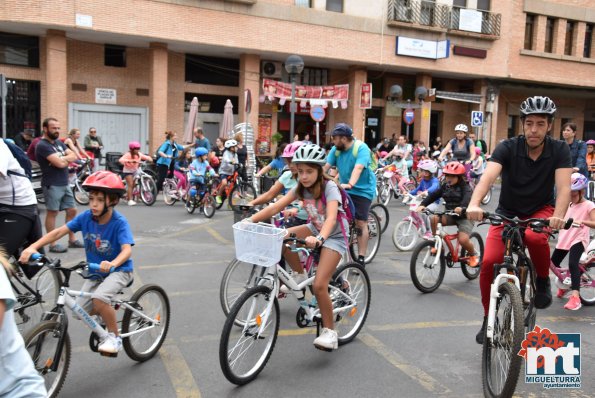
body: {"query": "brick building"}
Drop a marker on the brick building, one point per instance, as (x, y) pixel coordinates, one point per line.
(131, 68)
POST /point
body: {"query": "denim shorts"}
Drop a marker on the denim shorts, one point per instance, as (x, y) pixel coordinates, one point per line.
(58, 197)
(334, 242)
(362, 207)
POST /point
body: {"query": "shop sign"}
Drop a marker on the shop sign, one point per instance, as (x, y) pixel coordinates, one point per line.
(423, 48)
(276, 89)
(470, 20)
(105, 96)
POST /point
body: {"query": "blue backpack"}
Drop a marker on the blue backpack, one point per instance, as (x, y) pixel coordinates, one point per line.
(23, 160)
(346, 204)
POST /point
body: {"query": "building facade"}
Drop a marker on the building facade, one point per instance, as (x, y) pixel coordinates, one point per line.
(131, 68)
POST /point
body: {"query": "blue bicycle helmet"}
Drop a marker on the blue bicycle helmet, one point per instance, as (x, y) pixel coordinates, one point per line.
(200, 151)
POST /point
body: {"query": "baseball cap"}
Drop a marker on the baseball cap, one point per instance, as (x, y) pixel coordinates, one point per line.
(342, 129)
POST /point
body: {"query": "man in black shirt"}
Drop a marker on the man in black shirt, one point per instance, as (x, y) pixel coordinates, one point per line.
(530, 166)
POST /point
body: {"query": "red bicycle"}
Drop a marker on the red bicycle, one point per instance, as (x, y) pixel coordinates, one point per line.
(237, 192)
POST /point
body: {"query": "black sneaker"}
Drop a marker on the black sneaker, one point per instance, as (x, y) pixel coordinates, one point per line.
(482, 332)
(543, 295)
(361, 260)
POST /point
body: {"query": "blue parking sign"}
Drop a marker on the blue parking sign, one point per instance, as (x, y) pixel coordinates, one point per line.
(476, 119)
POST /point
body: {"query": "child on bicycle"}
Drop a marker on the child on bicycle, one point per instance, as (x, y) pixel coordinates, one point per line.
(575, 240)
(328, 229)
(197, 171)
(456, 194)
(226, 169)
(108, 242)
(477, 165)
(131, 162)
(428, 184)
(181, 169)
(399, 165)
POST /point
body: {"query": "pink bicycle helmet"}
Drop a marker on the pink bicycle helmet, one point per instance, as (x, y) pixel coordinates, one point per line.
(290, 149)
(578, 182)
(383, 154)
(428, 165)
(133, 145)
(591, 142)
(477, 151)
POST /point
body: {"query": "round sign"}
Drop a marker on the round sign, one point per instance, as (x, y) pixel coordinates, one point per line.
(408, 116)
(317, 113)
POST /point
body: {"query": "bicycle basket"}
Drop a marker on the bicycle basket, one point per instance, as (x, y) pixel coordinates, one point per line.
(258, 244)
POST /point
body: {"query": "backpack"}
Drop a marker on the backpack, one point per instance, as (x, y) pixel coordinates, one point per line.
(373, 165)
(346, 203)
(23, 160)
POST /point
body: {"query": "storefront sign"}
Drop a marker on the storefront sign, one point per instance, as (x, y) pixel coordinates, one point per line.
(365, 101)
(105, 96)
(470, 20)
(276, 89)
(265, 124)
(372, 121)
(423, 48)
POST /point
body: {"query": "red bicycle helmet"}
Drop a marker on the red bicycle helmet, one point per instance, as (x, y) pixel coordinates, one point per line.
(214, 162)
(454, 168)
(104, 181)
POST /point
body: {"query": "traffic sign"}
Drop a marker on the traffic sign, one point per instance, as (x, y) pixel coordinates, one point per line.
(317, 113)
(409, 116)
(476, 119)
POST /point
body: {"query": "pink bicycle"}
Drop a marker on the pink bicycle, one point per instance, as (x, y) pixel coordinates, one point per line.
(410, 228)
(587, 288)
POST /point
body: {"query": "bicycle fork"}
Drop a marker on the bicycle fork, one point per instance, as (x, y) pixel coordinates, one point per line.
(494, 296)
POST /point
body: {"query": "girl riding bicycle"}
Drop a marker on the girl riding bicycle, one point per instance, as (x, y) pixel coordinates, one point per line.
(131, 162)
(428, 184)
(328, 229)
(108, 242)
(197, 171)
(226, 169)
(181, 169)
(575, 240)
(456, 194)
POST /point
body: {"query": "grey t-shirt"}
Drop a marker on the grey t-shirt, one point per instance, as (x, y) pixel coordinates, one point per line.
(317, 210)
(50, 175)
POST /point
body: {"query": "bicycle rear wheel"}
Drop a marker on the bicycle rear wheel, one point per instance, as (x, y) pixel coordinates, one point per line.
(425, 273)
(237, 278)
(350, 279)
(29, 310)
(152, 301)
(383, 215)
(500, 362)
(42, 345)
(472, 272)
(374, 234)
(80, 195)
(246, 343)
(587, 291)
(405, 235)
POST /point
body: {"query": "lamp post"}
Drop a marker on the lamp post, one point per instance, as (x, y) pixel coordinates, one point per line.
(396, 92)
(294, 65)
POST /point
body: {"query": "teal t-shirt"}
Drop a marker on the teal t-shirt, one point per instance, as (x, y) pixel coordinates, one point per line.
(289, 183)
(345, 163)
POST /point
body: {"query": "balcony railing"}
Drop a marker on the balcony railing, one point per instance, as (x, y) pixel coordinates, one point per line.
(430, 14)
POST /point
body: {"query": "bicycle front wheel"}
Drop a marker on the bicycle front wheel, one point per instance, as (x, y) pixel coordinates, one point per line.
(472, 272)
(169, 186)
(237, 278)
(427, 271)
(383, 215)
(148, 191)
(350, 294)
(249, 335)
(208, 205)
(148, 335)
(486, 199)
(189, 204)
(42, 344)
(384, 195)
(501, 363)
(80, 195)
(405, 235)
(374, 235)
(29, 309)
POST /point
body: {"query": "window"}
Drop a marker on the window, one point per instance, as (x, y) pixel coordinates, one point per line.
(588, 41)
(513, 124)
(19, 50)
(212, 70)
(427, 12)
(303, 3)
(483, 5)
(334, 5)
(23, 106)
(529, 23)
(115, 56)
(549, 35)
(460, 3)
(569, 42)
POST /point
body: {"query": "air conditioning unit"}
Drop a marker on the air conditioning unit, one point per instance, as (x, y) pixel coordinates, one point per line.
(271, 69)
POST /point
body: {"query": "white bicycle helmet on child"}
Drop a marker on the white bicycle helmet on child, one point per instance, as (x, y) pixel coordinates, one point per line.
(230, 143)
(428, 165)
(310, 153)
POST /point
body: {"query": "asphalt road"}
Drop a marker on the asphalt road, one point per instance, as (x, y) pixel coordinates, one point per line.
(413, 344)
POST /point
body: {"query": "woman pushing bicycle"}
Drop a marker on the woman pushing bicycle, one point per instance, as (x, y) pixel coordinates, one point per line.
(328, 229)
(108, 242)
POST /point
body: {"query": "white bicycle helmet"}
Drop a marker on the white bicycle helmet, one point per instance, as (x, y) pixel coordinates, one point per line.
(538, 105)
(310, 153)
(428, 165)
(230, 143)
(435, 154)
(462, 127)
(578, 182)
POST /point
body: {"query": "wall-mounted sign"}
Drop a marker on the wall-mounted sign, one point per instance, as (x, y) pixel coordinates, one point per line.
(84, 21)
(372, 121)
(470, 20)
(423, 48)
(105, 96)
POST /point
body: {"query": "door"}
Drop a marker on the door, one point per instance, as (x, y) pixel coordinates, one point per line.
(373, 133)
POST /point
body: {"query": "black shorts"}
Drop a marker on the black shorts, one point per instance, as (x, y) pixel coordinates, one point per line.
(362, 207)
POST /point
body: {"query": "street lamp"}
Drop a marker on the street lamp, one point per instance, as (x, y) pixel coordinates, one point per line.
(294, 65)
(396, 92)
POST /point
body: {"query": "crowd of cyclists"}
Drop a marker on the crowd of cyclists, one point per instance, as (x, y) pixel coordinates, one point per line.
(537, 181)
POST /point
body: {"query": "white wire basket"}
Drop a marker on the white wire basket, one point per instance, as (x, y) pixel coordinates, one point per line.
(258, 244)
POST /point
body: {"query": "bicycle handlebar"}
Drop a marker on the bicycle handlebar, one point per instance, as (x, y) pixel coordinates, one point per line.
(533, 223)
(38, 259)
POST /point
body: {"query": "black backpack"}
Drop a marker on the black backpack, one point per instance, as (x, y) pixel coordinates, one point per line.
(23, 160)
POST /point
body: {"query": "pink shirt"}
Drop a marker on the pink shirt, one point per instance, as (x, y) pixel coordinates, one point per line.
(569, 237)
(131, 166)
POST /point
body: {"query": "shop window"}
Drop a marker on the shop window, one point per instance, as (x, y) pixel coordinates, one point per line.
(334, 5)
(115, 56)
(310, 77)
(212, 70)
(483, 5)
(529, 25)
(588, 41)
(19, 50)
(569, 42)
(549, 35)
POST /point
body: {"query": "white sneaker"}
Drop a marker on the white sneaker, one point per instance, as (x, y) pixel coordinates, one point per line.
(327, 340)
(406, 199)
(111, 345)
(131, 203)
(298, 278)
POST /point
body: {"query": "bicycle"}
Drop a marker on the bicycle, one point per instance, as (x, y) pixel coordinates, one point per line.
(473, 183)
(374, 236)
(80, 194)
(143, 328)
(511, 311)
(237, 190)
(205, 201)
(389, 188)
(587, 283)
(383, 215)
(144, 187)
(253, 323)
(430, 258)
(171, 194)
(410, 228)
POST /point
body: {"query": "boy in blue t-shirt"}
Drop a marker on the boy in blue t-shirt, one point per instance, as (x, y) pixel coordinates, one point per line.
(197, 171)
(108, 242)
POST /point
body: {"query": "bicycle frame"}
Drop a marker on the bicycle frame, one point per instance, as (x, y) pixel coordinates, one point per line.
(563, 274)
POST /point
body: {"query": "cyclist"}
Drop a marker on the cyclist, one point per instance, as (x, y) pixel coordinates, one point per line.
(286, 182)
(575, 241)
(131, 162)
(328, 228)
(428, 184)
(477, 165)
(181, 169)
(226, 168)
(356, 177)
(197, 171)
(456, 194)
(108, 242)
(399, 167)
(463, 149)
(278, 163)
(530, 165)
